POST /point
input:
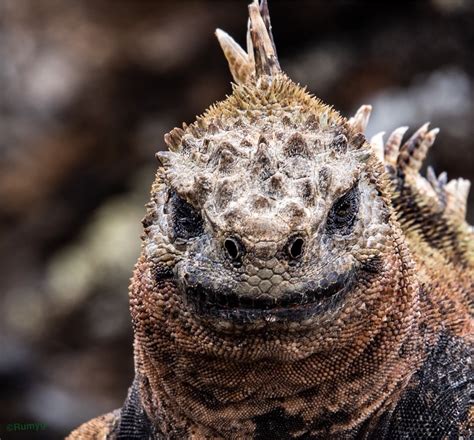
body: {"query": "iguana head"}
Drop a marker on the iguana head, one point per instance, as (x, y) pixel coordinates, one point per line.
(270, 206)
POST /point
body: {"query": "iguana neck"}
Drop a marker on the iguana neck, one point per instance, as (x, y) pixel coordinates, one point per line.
(336, 387)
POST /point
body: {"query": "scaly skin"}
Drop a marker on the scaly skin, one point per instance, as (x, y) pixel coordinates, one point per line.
(297, 281)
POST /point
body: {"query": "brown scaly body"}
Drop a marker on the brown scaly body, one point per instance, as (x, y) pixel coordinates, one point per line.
(297, 281)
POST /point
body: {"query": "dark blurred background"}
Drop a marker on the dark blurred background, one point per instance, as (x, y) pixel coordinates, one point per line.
(87, 91)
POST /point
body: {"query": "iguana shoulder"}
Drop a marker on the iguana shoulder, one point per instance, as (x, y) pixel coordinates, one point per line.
(127, 423)
(101, 428)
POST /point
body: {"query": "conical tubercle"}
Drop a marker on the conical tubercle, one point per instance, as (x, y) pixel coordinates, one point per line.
(261, 57)
(241, 66)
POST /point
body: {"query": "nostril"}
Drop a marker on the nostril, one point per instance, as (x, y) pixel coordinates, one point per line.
(295, 247)
(234, 248)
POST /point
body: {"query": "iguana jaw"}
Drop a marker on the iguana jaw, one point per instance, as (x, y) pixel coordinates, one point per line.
(311, 301)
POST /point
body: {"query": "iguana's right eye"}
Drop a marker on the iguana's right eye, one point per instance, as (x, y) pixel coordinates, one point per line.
(187, 222)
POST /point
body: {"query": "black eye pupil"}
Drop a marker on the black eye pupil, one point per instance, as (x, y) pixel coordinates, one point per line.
(343, 208)
(187, 222)
(343, 214)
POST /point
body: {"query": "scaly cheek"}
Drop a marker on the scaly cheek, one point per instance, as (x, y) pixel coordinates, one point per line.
(373, 230)
(150, 297)
(162, 322)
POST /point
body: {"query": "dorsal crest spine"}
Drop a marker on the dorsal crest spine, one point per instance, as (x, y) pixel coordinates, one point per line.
(261, 59)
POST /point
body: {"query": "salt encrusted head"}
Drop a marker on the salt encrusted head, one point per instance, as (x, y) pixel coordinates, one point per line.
(271, 205)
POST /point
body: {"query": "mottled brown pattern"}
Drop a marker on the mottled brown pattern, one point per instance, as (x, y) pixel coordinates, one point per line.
(240, 332)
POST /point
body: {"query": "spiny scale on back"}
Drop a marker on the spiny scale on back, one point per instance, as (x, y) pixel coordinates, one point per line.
(297, 280)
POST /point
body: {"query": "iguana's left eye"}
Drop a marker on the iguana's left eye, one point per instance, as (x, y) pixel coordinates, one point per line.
(342, 216)
(187, 222)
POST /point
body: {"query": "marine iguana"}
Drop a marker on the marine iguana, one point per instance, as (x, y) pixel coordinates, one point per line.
(297, 280)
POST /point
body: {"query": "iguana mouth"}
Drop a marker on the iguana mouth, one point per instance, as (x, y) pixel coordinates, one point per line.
(291, 306)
